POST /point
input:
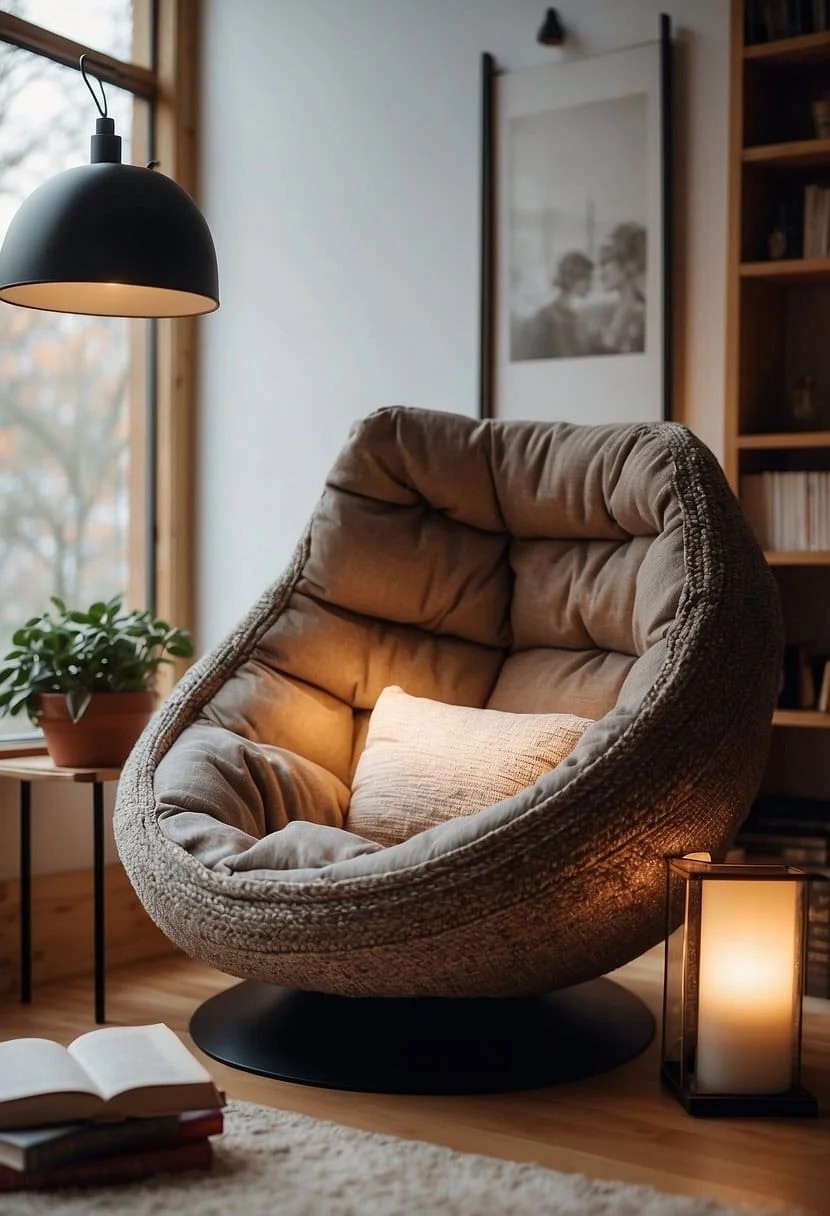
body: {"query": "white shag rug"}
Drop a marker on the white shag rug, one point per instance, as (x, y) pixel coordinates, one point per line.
(272, 1161)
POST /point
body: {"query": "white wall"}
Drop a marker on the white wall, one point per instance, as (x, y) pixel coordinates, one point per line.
(340, 175)
(61, 829)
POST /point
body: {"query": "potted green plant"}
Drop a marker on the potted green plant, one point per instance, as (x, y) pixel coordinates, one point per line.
(86, 678)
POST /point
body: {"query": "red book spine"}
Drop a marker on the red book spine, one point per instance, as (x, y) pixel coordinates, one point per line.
(198, 1126)
(128, 1167)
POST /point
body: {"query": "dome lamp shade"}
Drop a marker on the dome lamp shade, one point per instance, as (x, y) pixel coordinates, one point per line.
(108, 239)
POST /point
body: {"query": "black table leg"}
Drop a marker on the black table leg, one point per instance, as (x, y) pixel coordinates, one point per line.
(98, 863)
(25, 891)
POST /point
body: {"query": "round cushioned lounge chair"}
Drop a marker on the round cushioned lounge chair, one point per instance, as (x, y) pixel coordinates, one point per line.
(600, 571)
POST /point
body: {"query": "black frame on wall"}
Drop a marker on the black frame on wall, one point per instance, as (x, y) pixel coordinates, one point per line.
(488, 301)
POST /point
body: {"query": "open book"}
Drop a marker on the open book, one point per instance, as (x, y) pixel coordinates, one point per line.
(107, 1074)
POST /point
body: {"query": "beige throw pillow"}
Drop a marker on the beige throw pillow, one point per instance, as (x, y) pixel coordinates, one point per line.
(426, 762)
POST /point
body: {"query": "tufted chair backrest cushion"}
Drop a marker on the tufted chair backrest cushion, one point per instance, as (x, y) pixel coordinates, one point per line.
(529, 568)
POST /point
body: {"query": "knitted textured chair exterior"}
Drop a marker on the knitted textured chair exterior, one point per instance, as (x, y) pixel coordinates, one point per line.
(602, 571)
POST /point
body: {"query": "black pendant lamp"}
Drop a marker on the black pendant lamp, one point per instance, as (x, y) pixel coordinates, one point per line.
(108, 239)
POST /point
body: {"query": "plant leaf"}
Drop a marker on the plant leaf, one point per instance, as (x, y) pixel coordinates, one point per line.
(76, 703)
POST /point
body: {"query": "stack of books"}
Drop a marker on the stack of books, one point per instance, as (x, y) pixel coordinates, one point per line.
(802, 222)
(796, 832)
(769, 20)
(805, 680)
(117, 1105)
(788, 511)
(816, 222)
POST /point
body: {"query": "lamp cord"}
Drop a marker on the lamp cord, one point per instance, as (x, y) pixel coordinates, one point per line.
(102, 112)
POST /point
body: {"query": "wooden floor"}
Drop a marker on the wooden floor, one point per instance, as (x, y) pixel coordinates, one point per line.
(616, 1126)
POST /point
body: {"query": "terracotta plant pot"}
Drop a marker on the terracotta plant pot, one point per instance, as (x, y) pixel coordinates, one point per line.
(105, 734)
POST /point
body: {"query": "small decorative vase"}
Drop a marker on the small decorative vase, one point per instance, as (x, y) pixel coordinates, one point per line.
(803, 411)
(104, 736)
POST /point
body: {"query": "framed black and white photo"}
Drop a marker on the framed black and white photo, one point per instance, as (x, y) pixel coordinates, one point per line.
(575, 239)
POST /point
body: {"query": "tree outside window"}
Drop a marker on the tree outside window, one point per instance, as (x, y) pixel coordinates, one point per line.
(65, 447)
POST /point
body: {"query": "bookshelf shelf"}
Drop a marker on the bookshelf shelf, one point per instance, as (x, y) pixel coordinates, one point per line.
(797, 154)
(808, 718)
(812, 557)
(772, 441)
(807, 48)
(778, 370)
(788, 271)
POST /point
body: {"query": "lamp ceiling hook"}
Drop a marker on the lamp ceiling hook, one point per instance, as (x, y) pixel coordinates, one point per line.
(102, 112)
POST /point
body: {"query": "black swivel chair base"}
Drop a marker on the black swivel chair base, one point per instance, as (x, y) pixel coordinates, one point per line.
(423, 1045)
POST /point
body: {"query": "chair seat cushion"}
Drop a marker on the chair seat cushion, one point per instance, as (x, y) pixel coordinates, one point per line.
(426, 762)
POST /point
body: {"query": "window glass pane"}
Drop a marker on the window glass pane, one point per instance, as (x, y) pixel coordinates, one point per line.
(68, 385)
(102, 25)
(46, 119)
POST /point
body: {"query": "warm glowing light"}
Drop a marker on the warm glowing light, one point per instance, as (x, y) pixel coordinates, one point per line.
(746, 1028)
(108, 299)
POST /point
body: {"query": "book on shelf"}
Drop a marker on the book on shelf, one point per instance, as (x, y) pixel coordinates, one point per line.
(805, 678)
(114, 1073)
(788, 814)
(792, 850)
(800, 219)
(816, 227)
(755, 27)
(41, 1148)
(803, 839)
(788, 512)
(818, 984)
(817, 959)
(823, 699)
(771, 20)
(126, 1167)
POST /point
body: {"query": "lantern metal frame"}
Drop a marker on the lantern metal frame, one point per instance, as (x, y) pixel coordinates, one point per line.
(686, 880)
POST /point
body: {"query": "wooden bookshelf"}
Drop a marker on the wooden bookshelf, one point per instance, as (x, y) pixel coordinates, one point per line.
(783, 440)
(807, 48)
(810, 719)
(788, 271)
(778, 318)
(796, 154)
(798, 557)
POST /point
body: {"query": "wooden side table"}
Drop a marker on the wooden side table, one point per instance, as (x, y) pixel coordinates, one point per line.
(31, 769)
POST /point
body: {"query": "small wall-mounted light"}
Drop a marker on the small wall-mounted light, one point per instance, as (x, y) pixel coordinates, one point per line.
(551, 31)
(733, 988)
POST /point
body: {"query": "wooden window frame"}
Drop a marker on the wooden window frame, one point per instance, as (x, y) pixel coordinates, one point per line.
(172, 86)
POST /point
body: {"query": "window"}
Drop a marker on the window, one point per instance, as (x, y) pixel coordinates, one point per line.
(88, 507)
(101, 25)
